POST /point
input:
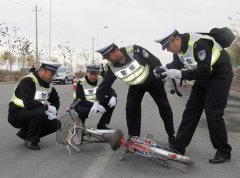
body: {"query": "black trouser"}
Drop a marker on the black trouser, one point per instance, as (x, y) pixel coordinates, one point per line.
(83, 112)
(133, 106)
(212, 96)
(35, 122)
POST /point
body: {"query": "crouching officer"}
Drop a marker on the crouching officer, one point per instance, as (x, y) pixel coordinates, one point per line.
(205, 61)
(34, 104)
(86, 91)
(134, 65)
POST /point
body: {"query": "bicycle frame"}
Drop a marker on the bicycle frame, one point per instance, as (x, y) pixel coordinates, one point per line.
(148, 148)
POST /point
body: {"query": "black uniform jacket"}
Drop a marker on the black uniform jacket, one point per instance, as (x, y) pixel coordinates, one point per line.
(26, 91)
(203, 72)
(142, 56)
(80, 93)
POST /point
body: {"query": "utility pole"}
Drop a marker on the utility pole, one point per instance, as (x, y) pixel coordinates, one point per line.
(37, 61)
(50, 30)
(93, 49)
(98, 36)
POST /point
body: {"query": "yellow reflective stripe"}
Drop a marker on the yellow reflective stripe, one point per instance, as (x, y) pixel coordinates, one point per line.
(215, 56)
(18, 102)
(83, 80)
(91, 99)
(91, 96)
(74, 95)
(140, 79)
(134, 75)
(191, 41)
(129, 48)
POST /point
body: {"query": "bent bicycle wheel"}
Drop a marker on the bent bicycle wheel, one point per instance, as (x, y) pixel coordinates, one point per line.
(67, 123)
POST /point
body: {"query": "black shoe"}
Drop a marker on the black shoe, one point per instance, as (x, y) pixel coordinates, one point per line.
(32, 146)
(176, 149)
(171, 139)
(22, 134)
(102, 126)
(219, 159)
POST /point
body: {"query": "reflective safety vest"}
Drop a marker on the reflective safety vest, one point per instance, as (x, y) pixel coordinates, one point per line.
(187, 58)
(131, 73)
(90, 90)
(41, 94)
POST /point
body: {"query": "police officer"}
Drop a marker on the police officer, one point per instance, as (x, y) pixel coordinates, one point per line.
(34, 104)
(86, 91)
(134, 65)
(32, 69)
(199, 57)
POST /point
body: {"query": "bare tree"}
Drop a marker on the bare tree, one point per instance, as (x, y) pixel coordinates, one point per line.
(85, 55)
(31, 60)
(25, 52)
(70, 52)
(5, 57)
(234, 50)
(63, 52)
(10, 41)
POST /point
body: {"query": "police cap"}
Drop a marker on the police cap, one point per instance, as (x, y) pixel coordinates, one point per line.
(106, 50)
(52, 66)
(167, 38)
(93, 68)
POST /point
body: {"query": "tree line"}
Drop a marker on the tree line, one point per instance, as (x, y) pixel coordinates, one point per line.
(17, 49)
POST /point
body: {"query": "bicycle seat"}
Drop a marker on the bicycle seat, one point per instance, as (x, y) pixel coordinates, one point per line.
(114, 139)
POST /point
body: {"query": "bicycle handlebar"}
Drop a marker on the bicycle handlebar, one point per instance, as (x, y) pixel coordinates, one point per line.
(73, 105)
(158, 73)
(176, 88)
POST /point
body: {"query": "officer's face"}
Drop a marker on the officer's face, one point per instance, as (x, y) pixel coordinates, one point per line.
(92, 76)
(115, 56)
(175, 45)
(46, 75)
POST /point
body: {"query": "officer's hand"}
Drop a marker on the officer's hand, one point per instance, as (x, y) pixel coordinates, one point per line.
(112, 102)
(52, 109)
(158, 72)
(50, 115)
(173, 73)
(101, 109)
(94, 109)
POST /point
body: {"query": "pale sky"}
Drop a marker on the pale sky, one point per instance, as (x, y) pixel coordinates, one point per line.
(129, 21)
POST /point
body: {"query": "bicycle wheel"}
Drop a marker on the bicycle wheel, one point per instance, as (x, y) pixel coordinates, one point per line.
(67, 122)
(170, 154)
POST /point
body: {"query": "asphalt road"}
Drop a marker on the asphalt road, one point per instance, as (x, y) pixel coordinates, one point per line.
(99, 161)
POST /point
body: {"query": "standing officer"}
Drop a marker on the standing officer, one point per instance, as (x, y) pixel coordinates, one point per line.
(86, 91)
(206, 62)
(134, 65)
(32, 69)
(29, 109)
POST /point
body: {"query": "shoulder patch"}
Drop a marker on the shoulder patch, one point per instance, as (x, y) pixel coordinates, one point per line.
(145, 53)
(201, 55)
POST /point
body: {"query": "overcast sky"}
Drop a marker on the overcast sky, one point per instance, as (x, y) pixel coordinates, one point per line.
(128, 21)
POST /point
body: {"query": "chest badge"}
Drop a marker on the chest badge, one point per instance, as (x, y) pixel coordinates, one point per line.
(201, 55)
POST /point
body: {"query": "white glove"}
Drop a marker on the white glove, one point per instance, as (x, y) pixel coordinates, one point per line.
(94, 109)
(101, 109)
(50, 115)
(52, 109)
(112, 102)
(173, 73)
